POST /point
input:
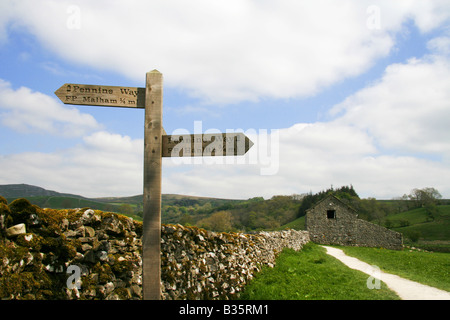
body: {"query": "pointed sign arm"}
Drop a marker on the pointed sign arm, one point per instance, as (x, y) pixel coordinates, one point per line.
(201, 145)
(104, 96)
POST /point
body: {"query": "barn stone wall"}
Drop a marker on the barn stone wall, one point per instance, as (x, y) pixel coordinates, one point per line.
(345, 228)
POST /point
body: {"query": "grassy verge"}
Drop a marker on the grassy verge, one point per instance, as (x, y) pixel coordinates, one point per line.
(297, 224)
(311, 274)
(430, 268)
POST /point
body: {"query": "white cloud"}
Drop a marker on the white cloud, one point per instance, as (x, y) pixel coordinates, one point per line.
(381, 138)
(103, 165)
(27, 111)
(428, 14)
(311, 158)
(407, 110)
(440, 45)
(225, 51)
(385, 139)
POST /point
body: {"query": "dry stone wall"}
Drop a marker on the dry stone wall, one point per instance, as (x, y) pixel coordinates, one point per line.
(199, 264)
(371, 235)
(40, 247)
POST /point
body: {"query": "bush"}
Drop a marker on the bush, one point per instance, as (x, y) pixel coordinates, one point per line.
(403, 223)
(388, 223)
(22, 211)
(5, 217)
(413, 235)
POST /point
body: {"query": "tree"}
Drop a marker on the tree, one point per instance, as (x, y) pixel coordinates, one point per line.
(374, 210)
(221, 221)
(307, 202)
(186, 219)
(402, 203)
(345, 193)
(433, 194)
(432, 211)
(425, 197)
(414, 235)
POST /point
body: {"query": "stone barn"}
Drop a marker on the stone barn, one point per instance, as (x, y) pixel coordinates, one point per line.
(331, 221)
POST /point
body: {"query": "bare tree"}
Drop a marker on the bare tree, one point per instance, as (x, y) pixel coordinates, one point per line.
(424, 197)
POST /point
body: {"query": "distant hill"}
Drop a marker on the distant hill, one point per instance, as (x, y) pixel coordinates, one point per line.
(14, 191)
(254, 214)
(131, 206)
(26, 190)
(209, 213)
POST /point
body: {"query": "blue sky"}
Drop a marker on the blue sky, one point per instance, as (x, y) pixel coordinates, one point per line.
(348, 92)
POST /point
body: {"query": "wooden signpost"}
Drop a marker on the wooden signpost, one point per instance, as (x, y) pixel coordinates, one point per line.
(156, 145)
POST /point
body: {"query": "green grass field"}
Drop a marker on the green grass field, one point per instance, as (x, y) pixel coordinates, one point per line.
(430, 268)
(297, 224)
(311, 274)
(432, 234)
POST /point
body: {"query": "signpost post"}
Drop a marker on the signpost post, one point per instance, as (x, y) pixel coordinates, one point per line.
(156, 145)
(151, 231)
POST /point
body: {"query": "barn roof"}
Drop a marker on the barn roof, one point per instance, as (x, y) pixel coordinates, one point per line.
(335, 198)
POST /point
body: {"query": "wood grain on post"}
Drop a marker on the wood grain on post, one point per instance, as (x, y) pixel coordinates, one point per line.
(151, 247)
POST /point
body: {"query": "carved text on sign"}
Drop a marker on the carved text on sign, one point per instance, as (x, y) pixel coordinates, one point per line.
(201, 145)
(109, 96)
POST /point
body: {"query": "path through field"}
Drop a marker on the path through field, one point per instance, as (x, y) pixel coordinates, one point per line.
(406, 289)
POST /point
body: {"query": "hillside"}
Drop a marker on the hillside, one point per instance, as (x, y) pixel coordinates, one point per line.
(26, 190)
(423, 231)
(174, 206)
(277, 213)
(210, 213)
